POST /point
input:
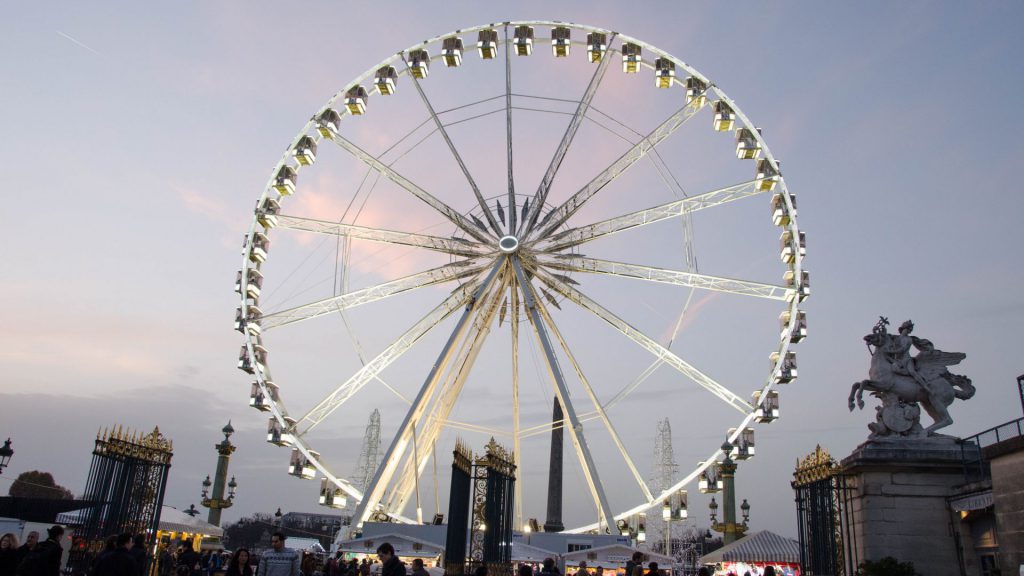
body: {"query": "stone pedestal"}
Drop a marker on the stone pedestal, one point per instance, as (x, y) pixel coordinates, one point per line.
(898, 502)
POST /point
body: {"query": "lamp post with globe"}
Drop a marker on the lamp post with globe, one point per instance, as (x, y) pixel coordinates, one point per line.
(217, 501)
(730, 529)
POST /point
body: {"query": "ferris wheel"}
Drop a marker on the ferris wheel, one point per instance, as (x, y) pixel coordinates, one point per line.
(430, 223)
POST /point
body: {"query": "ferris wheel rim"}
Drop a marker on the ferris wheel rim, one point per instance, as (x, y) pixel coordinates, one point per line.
(262, 375)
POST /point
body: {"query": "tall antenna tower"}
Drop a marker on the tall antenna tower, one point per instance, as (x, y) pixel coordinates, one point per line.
(368, 455)
(665, 466)
(663, 477)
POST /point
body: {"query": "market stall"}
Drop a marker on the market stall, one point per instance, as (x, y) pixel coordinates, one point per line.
(406, 548)
(612, 559)
(753, 553)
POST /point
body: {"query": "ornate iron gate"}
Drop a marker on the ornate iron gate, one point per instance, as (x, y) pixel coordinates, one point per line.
(458, 510)
(490, 499)
(126, 485)
(822, 515)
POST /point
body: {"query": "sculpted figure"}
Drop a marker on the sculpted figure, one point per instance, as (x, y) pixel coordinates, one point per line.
(898, 349)
(907, 383)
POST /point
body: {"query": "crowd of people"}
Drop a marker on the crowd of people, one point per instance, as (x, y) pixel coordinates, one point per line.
(124, 555)
(33, 558)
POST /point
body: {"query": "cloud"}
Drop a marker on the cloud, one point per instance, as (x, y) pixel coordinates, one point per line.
(208, 206)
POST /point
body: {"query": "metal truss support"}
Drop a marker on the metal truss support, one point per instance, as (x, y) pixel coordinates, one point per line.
(372, 368)
(446, 273)
(453, 246)
(559, 215)
(447, 211)
(604, 511)
(646, 342)
(577, 236)
(458, 157)
(575, 263)
(382, 478)
(549, 177)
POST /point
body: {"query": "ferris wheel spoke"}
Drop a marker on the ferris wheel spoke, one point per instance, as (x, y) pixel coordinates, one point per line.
(659, 351)
(593, 399)
(577, 236)
(453, 246)
(559, 215)
(370, 371)
(516, 421)
(451, 146)
(440, 411)
(382, 477)
(447, 211)
(575, 263)
(556, 161)
(508, 134)
(586, 460)
(446, 273)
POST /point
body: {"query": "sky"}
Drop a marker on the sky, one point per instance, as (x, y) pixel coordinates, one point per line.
(138, 138)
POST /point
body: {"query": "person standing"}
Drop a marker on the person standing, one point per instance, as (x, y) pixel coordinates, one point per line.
(10, 557)
(279, 561)
(44, 559)
(239, 563)
(120, 562)
(634, 561)
(582, 570)
(138, 550)
(166, 561)
(390, 564)
(31, 541)
(418, 569)
(189, 559)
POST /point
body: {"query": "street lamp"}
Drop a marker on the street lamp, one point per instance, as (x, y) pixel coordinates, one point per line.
(731, 529)
(277, 517)
(216, 501)
(5, 455)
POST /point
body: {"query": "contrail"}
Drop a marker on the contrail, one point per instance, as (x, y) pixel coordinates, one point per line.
(79, 43)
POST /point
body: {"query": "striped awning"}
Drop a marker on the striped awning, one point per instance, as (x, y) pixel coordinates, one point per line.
(763, 546)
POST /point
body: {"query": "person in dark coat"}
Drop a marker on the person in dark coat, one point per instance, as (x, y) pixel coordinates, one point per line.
(31, 541)
(190, 559)
(9, 555)
(44, 559)
(138, 551)
(239, 564)
(418, 569)
(390, 564)
(120, 562)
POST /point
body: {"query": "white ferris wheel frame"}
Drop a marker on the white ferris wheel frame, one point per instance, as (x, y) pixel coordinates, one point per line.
(478, 297)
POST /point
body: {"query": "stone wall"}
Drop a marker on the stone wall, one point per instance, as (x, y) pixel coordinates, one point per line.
(1007, 461)
(898, 503)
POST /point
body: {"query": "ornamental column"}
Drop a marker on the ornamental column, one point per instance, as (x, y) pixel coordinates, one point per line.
(217, 502)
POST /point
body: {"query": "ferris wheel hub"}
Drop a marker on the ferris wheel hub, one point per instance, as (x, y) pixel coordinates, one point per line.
(508, 244)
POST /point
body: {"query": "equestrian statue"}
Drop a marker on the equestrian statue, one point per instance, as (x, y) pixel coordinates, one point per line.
(906, 383)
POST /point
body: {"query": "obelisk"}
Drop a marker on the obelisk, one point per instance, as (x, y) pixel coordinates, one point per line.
(553, 523)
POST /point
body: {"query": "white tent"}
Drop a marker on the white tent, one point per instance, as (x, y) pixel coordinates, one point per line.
(760, 547)
(171, 520)
(523, 552)
(613, 557)
(405, 546)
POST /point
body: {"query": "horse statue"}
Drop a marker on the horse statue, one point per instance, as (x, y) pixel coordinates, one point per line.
(904, 382)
